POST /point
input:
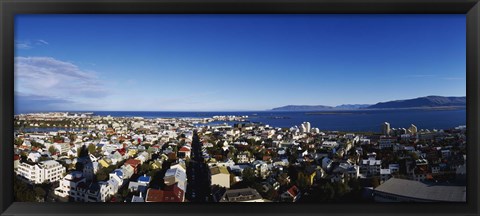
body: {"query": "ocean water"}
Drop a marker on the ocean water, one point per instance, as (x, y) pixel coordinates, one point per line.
(357, 120)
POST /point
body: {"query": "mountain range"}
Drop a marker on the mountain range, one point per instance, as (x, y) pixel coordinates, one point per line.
(421, 102)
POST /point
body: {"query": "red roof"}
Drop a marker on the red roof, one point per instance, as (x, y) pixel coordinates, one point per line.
(16, 157)
(293, 191)
(133, 162)
(184, 149)
(122, 151)
(170, 194)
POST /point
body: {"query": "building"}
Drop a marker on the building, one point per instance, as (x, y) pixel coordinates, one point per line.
(291, 195)
(175, 174)
(220, 176)
(62, 148)
(172, 193)
(385, 174)
(45, 171)
(134, 164)
(402, 190)
(330, 144)
(184, 152)
(307, 127)
(412, 129)
(385, 143)
(386, 128)
(242, 195)
(68, 186)
(371, 166)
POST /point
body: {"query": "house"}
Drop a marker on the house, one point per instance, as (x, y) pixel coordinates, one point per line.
(385, 174)
(68, 186)
(128, 171)
(72, 152)
(371, 166)
(326, 163)
(394, 168)
(34, 157)
(156, 164)
(244, 157)
(330, 144)
(103, 163)
(134, 164)
(136, 198)
(142, 157)
(291, 195)
(16, 161)
(261, 168)
(141, 185)
(351, 170)
(242, 195)
(62, 148)
(385, 143)
(220, 176)
(132, 151)
(171, 193)
(97, 192)
(176, 173)
(184, 152)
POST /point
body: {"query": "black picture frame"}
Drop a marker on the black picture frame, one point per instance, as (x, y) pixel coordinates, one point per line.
(9, 8)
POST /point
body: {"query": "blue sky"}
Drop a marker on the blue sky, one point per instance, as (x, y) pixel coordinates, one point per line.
(233, 62)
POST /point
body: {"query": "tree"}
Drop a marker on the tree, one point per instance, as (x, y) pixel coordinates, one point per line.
(91, 148)
(101, 176)
(52, 150)
(302, 181)
(18, 141)
(375, 182)
(40, 192)
(23, 192)
(283, 179)
(329, 191)
(248, 176)
(144, 168)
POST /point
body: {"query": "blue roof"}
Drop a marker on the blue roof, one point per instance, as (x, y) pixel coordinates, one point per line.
(144, 178)
(118, 172)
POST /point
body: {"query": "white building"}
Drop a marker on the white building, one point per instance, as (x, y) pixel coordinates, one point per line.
(371, 166)
(62, 148)
(175, 174)
(220, 176)
(34, 157)
(330, 144)
(385, 143)
(261, 168)
(68, 186)
(45, 171)
(412, 129)
(386, 128)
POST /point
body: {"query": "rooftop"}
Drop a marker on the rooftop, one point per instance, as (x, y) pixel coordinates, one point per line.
(241, 195)
(419, 190)
(219, 170)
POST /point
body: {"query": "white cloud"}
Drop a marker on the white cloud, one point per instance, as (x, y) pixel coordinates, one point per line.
(23, 45)
(453, 78)
(39, 42)
(421, 76)
(28, 44)
(53, 78)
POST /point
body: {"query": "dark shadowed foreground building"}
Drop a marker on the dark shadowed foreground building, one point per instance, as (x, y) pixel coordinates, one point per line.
(242, 195)
(402, 190)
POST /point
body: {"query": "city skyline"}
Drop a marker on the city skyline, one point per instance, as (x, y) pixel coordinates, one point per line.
(233, 62)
